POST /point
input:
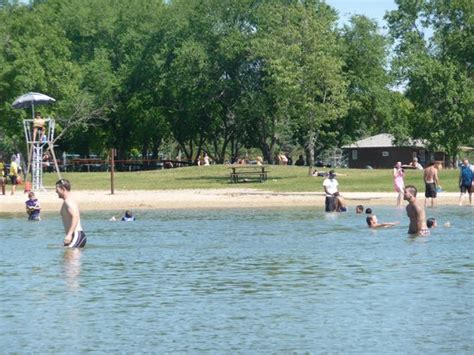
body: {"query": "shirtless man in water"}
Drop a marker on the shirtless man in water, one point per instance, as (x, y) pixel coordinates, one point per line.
(415, 212)
(75, 236)
(430, 175)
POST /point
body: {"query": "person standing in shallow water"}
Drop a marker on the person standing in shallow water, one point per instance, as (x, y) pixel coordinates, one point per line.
(33, 207)
(75, 236)
(415, 212)
(330, 185)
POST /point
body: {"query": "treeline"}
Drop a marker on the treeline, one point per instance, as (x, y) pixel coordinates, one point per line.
(223, 76)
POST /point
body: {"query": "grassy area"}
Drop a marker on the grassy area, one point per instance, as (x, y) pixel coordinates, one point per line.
(280, 179)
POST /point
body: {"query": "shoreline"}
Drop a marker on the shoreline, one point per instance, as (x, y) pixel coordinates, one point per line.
(204, 198)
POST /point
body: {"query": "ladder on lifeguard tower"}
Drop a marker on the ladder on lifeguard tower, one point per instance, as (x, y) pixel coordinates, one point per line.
(37, 167)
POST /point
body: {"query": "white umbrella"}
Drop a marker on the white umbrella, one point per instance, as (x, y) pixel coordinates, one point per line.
(31, 99)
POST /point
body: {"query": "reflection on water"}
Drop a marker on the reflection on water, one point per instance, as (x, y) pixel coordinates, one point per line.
(72, 267)
(245, 281)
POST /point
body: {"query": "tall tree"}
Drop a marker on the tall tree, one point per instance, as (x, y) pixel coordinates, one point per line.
(302, 64)
(365, 66)
(434, 59)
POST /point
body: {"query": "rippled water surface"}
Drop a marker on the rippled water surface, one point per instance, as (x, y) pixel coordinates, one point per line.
(265, 281)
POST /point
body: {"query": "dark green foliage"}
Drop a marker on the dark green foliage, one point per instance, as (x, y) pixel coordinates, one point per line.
(226, 76)
(434, 59)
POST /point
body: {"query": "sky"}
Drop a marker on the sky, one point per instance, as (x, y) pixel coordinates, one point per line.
(373, 9)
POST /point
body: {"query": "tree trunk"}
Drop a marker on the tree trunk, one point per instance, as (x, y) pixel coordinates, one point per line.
(156, 148)
(187, 152)
(309, 151)
(268, 150)
(267, 153)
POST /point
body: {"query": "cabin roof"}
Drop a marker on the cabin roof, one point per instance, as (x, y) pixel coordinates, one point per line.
(382, 140)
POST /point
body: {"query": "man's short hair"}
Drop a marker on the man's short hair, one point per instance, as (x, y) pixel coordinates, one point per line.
(368, 210)
(430, 222)
(64, 183)
(411, 189)
(369, 220)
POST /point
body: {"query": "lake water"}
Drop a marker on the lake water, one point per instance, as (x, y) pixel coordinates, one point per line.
(245, 281)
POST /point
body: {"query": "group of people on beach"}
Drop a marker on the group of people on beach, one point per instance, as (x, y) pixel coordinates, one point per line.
(13, 173)
(334, 201)
(419, 225)
(431, 180)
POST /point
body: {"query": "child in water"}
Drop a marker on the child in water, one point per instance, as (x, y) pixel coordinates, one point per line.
(128, 217)
(373, 222)
(32, 207)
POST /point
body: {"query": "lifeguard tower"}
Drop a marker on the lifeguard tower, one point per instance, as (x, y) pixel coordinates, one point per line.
(37, 147)
(43, 142)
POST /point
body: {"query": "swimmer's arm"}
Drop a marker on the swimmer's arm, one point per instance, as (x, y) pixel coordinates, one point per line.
(384, 225)
(389, 224)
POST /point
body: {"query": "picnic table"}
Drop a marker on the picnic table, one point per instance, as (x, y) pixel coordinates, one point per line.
(242, 172)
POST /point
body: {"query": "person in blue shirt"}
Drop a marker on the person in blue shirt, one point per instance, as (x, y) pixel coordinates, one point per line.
(128, 217)
(32, 207)
(466, 177)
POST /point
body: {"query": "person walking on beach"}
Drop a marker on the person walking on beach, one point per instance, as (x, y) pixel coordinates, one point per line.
(398, 182)
(14, 174)
(75, 236)
(415, 212)
(430, 176)
(466, 179)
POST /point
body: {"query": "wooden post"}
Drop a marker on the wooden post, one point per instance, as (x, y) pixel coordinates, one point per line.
(112, 170)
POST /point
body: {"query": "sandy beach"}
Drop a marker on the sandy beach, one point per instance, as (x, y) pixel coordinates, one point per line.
(214, 198)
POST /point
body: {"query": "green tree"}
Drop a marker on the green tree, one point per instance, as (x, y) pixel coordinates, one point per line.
(34, 54)
(194, 73)
(365, 67)
(434, 60)
(302, 63)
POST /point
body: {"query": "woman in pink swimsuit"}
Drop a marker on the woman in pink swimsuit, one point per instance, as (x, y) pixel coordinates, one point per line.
(399, 184)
